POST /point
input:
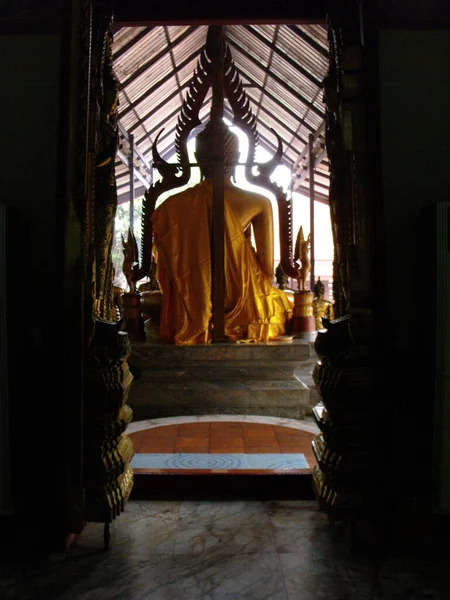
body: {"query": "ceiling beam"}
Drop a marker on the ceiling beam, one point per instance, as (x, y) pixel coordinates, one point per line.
(124, 159)
(304, 155)
(267, 69)
(174, 64)
(179, 12)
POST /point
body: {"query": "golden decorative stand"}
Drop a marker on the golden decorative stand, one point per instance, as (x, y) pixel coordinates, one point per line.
(132, 311)
(303, 321)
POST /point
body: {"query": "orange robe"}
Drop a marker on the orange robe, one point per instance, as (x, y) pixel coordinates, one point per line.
(254, 309)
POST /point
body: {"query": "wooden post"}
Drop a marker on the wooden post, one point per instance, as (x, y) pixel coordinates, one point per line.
(217, 228)
(311, 206)
(131, 169)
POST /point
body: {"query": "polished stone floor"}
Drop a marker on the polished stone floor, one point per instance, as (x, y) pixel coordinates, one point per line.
(224, 550)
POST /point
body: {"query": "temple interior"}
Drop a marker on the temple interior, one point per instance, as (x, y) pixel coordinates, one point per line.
(234, 382)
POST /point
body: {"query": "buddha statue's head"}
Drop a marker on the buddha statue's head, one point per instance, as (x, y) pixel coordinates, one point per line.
(204, 150)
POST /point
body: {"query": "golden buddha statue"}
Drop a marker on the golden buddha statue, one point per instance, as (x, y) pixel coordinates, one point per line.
(321, 308)
(254, 309)
(176, 236)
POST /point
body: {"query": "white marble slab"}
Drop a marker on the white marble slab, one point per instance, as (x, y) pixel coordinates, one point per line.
(282, 422)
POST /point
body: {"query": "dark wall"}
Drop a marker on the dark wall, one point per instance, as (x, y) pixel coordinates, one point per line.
(31, 164)
(415, 134)
(29, 155)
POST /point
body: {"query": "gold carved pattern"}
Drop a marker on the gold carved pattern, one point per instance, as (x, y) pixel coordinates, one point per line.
(108, 451)
(102, 193)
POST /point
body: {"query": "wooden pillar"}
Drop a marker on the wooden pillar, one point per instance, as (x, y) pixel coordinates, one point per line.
(311, 206)
(217, 229)
(131, 168)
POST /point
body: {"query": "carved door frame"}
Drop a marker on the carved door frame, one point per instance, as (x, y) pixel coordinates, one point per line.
(354, 213)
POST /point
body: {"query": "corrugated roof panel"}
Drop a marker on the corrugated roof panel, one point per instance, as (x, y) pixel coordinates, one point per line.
(245, 40)
(149, 79)
(124, 36)
(190, 45)
(245, 65)
(270, 108)
(140, 53)
(287, 98)
(251, 48)
(294, 78)
(123, 101)
(175, 31)
(267, 31)
(185, 75)
(161, 116)
(127, 121)
(318, 33)
(283, 132)
(301, 52)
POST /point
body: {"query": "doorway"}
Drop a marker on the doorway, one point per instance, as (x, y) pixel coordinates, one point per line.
(282, 67)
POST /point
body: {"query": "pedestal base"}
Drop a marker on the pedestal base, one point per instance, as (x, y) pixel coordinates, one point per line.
(306, 336)
(253, 379)
(132, 312)
(303, 322)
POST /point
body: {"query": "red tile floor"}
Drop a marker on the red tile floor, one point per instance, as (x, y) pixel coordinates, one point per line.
(224, 437)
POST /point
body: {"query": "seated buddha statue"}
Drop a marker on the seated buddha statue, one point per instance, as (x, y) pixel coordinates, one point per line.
(322, 308)
(254, 309)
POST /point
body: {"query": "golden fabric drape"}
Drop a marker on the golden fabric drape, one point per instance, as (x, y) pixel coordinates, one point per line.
(254, 309)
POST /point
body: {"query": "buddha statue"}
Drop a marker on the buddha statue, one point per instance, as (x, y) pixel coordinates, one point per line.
(321, 308)
(254, 309)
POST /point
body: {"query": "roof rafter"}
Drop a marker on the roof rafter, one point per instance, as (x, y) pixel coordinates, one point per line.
(283, 55)
(267, 69)
(278, 79)
(131, 43)
(309, 40)
(280, 104)
(155, 87)
(281, 64)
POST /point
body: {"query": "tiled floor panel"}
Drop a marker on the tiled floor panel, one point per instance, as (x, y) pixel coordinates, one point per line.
(224, 438)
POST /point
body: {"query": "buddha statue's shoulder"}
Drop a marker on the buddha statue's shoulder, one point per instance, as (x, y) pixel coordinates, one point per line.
(179, 199)
(233, 191)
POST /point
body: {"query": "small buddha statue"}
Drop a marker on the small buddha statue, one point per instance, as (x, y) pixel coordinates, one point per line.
(254, 309)
(281, 277)
(321, 308)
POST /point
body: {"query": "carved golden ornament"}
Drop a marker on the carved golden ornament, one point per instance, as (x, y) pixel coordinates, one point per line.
(321, 307)
(302, 248)
(303, 304)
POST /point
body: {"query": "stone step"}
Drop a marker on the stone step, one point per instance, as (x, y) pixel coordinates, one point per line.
(146, 355)
(206, 372)
(151, 399)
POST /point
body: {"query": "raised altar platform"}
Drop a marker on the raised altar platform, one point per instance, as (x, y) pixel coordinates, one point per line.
(255, 378)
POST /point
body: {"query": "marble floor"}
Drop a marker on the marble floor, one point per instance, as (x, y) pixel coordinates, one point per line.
(216, 550)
